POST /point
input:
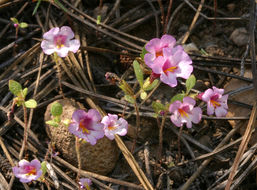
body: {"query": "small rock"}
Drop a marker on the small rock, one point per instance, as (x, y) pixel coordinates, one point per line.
(239, 36)
(191, 47)
(246, 97)
(100, 158)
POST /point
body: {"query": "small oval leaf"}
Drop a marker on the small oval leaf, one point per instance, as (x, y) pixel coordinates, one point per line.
(178, 97)
(31, 103)
(56, 109)
(23, 25)
(130, 99)
(14, 20)
(143, 95)
(25, 92)
(152, 85)
(15, 87)
(190, 83)
(43, 168)
(52, 123)
(139, 73)
(142, 55)
(157, 107)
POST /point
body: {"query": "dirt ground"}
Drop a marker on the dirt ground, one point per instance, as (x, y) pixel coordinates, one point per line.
(218, 43)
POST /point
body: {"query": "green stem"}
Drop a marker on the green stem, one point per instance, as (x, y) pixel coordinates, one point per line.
(161, 136)
(25, 136)
(59, 73)
(77, 146)
(137, 126)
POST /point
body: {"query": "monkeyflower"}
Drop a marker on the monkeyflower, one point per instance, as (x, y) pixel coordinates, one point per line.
(185, 112)
(87, 125)
(216, 101)
(113, 125)
(27, 171)
(156, 46)
(174, 63)
(60, 40)
(85, 183)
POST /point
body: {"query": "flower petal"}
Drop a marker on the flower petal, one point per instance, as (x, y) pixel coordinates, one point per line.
(66, 31)
(149, 58)
(189, 124)
(196, 115)
(218, 90)
(207, 95)
(51, 33)
(168, 40)
(170, 80)
(210, 108)
(48, 47)
(189, 100)
(157, 65)
(174, 106)
(78, 115)
(74, 45)
(176, 121)
(152, 45)
(62, 52)
(220, 111)
(94, 114)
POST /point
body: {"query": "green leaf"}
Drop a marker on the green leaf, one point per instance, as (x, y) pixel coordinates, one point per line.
(142, 55)
(56, 109)
(57, 119)
(23, 25)
(139, 73)
(15, 87)
(178, 97)
(130, 99)
(14, 20)
(98, 20)
(190, 83)
(36, 7)
(143, 95)
(31, 103)
(60, 5)
(43, 168)
(152, 85)
(157, 107)
(25, 92)
(52, 123)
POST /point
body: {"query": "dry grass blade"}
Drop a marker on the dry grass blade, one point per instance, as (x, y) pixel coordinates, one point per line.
(252, 120)
(133, 164)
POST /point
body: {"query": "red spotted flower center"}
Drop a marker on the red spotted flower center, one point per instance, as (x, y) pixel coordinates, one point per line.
(59, 41)
(112, 126)
(214, 101)
(85, 124)
(168, 67)
(184, 111)
(30, 170)
(159, 53)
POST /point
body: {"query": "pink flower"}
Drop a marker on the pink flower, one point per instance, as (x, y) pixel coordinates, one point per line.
(156, 46)
(28, 171)
(85, 183)
(15, 25)
(185, 112)
(86, 125)
(114, 126)
(174, 63)
(59, 41)
(216, 101)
